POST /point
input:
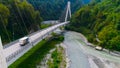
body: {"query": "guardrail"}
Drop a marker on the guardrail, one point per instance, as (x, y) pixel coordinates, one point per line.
(13, 55)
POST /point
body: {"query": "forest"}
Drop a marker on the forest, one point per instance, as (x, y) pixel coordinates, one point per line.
(17, 19)
(52, 9)
(99, 22)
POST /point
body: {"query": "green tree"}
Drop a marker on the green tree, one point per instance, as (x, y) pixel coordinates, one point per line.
(18, 18)
(114, 43)
(4, 15)
(107, 34)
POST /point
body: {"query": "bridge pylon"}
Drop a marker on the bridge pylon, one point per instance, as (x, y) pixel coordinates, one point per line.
(66, 15)
(68, 12)
(3, 63)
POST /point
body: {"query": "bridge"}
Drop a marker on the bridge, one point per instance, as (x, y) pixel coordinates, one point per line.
(11, 52)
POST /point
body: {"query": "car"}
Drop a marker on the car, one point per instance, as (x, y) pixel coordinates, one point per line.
(23, 41)
(98, 48)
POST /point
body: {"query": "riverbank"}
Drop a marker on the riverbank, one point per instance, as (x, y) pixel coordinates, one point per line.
(57, 59)
(83, 56)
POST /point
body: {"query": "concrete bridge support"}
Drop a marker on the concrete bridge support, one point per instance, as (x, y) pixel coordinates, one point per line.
(3, 63)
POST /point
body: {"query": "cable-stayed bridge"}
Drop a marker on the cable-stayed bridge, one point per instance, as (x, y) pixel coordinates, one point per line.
(12, 51)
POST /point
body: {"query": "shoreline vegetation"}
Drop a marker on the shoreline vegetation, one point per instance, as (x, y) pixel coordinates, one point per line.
(37, 53)
(58, 58)
(99, 23)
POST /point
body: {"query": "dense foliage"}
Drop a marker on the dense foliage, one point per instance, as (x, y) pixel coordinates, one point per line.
(17, 19)
(52, 9)
(99, 21)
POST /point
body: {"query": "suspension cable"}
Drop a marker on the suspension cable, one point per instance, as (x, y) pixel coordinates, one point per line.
(5, 28)
(21, 18)
(25, 14)
(17, 21)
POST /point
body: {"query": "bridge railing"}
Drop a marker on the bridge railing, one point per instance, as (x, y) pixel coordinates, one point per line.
(15, 54)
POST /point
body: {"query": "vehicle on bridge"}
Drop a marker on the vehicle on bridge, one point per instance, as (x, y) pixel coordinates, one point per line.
(23, 41)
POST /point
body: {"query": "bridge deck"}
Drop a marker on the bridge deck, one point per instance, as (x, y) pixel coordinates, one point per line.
(13, 49)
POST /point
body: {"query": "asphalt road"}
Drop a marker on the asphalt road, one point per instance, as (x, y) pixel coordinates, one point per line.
(84, 56)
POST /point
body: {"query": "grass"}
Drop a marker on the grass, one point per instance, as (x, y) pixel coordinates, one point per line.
(36, 54)
(58, 60)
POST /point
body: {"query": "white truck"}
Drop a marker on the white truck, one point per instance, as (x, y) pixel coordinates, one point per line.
(23, 41)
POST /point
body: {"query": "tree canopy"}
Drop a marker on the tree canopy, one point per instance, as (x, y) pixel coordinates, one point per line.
(53, 9)
(18, 18)
(99, 20)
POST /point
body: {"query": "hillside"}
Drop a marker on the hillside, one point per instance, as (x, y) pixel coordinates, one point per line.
(99, 20)
(21, 17)
(52, 9)
(17, 19)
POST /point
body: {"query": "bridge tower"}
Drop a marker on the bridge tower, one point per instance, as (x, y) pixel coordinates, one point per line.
(66, 15)
(3, 63)
(68, 11)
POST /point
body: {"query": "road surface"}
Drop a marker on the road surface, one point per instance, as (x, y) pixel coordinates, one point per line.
(83, 56)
